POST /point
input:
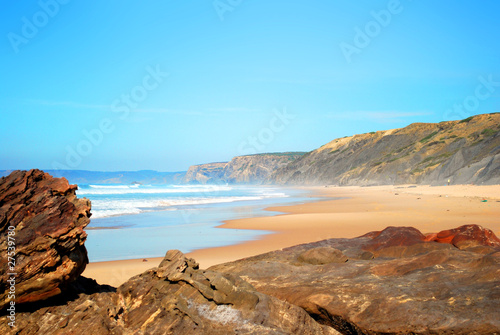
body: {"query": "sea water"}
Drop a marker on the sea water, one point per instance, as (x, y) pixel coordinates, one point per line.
(141, 221)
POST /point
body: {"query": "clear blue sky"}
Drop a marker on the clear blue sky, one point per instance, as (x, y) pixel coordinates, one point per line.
(84, 84)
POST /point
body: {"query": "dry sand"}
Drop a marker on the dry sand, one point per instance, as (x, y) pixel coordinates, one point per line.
(361, 210)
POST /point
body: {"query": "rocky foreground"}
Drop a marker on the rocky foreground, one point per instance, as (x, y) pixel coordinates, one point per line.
(41, 225)
(396, 281)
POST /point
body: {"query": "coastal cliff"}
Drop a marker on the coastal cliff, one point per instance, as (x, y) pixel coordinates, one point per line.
(241, 169)
(465, 151)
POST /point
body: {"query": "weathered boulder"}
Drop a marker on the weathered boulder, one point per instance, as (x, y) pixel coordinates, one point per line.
(174, 298)
(467, 235)
(42, 237)
(411, 286)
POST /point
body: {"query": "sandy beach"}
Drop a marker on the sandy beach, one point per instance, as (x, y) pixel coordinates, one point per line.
(360, 210)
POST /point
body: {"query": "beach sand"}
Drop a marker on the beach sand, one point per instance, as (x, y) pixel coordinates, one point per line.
(359, 211)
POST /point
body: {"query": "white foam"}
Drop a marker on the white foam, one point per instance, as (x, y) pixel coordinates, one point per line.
(107, 208)
(138, 189)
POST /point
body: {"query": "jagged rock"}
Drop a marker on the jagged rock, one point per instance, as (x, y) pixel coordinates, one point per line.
(411, 286)
(174, 298)
(45, 220)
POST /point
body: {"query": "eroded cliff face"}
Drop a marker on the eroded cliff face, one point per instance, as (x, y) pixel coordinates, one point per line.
(251, 169)
(466, 151)
(204, 173)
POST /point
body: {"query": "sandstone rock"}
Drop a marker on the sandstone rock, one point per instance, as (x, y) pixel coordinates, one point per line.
(394, 236)
(175, 298)
(410, 287)
(46, 222)
(466, 236)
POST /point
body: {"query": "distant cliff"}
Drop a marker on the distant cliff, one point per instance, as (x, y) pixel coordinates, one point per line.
(204, 173)
(466, 151)
(252, 169)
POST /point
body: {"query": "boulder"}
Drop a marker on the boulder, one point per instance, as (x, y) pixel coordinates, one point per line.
(42, 237)
(467, 236)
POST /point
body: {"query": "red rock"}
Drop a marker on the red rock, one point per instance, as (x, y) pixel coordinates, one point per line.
(472, 234)
(49, 237)
(392, 237)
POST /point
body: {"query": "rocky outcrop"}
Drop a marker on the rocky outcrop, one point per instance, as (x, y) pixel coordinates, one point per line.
(211, 173)
(397, 281)
(466, 151)
(250, 169)
(174, 298)
(42, 238)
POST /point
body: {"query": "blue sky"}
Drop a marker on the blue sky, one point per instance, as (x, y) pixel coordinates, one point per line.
(127, 85)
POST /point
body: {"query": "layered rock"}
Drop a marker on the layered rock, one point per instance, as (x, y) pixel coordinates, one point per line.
(466, 151)
(42, 237)
(395, 282)
(174, 298)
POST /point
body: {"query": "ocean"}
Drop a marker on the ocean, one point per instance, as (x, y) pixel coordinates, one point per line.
(141, 221)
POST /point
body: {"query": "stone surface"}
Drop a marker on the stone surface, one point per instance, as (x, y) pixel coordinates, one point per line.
(175, 298)
(404, 285)
(322, 255)
(46, 222)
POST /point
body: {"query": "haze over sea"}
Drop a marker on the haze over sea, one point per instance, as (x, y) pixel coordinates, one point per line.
(140, 221)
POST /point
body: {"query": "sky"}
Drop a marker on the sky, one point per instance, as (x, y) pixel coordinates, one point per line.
(162, 85)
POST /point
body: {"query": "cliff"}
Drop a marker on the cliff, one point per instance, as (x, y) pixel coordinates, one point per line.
(241, 169)
(466, 151)
(204, 173)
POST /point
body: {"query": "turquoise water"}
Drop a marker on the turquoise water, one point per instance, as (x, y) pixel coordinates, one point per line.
(141, 221)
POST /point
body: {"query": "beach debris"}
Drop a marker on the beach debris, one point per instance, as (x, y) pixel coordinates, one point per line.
(484, 200)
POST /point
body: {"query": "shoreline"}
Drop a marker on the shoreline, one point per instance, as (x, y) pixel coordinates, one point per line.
(358, 211)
